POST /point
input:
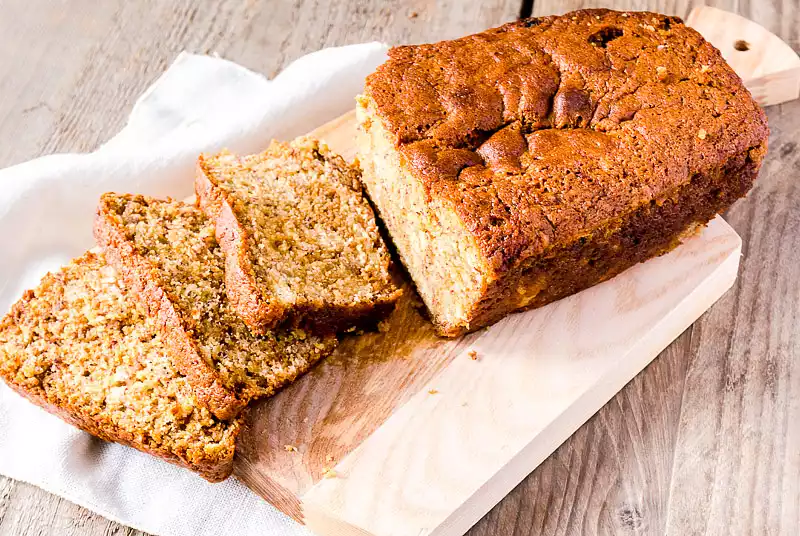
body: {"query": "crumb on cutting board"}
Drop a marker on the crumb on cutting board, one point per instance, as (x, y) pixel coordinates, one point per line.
(327, 472)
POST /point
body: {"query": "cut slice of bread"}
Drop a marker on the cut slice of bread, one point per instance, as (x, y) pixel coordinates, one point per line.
(166, 253)
(81, 348)
(299, 237)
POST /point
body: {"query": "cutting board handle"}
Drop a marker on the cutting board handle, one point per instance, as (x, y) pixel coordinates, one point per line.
(768, 66)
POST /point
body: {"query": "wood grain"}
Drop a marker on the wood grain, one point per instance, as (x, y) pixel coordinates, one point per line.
(458, 432)
(737, 451)
(662, 457)
(441, 459)
(706, 440)
(70, 71)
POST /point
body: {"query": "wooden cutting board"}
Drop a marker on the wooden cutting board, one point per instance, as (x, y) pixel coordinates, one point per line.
(404, 433)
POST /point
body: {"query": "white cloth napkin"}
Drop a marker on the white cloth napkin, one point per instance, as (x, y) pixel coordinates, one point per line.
(46, 211)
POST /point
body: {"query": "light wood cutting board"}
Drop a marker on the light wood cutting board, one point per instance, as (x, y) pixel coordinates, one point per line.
(403, 433)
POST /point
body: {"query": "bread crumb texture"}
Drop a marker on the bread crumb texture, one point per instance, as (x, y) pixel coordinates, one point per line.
(82, 348)
(178, 241)
(308, 237)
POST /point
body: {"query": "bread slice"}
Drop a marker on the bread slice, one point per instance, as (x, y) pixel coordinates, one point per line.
(299, 237)
(167, 254)
(81, 348)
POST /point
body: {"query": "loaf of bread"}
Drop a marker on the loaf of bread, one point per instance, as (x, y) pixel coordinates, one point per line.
(520, 165)
(299, 237)
(81, 348)
(166, 254)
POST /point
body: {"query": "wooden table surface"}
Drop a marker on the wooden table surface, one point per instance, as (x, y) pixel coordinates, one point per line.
(705, 441)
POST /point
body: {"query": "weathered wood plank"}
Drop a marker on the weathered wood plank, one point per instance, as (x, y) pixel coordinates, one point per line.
(29, 510)
(707, 439)
(71, 69)
(737, 455)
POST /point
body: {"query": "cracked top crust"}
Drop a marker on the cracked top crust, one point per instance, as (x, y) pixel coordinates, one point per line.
(544, 130)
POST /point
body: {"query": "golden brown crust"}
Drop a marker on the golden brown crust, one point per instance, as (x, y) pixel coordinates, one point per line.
(473, 129)
(142, 280)
(303, 197)
(548, 131)
(256, 310)
(651, 230)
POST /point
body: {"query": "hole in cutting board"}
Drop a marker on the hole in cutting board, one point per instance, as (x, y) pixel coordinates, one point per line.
(741, 45)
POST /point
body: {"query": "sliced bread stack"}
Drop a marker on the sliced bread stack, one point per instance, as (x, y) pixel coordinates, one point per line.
(191, 312)
(167, 256)
(79, 346)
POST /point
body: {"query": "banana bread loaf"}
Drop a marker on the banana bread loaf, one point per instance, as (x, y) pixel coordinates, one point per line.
(167, 255)
(81, 348)
(525, 163)
(299, 238)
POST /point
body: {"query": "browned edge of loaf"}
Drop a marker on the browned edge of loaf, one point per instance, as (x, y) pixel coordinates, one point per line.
(257, 311)
(213, 471)
(650, 230)
(142, 281)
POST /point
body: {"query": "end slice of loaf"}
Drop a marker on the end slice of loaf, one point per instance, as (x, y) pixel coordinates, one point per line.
(167, 255)
(299, 237)
(79, 347)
